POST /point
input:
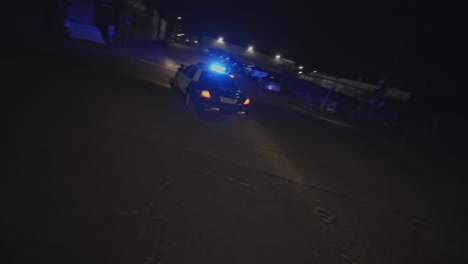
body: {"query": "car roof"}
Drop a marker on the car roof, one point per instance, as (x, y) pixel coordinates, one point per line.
(202, 65)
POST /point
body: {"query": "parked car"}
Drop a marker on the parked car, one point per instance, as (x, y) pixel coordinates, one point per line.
(256, 72)
(272, 83)
(210, 88)
(244, 68)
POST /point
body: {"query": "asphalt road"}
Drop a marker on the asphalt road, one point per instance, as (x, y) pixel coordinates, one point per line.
(105, 165)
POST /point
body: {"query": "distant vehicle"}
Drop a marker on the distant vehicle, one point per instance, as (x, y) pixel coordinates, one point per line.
(243, 68)
(256, 72)
(272, 83)
(237, 66)
(210, 88)
(228, 60)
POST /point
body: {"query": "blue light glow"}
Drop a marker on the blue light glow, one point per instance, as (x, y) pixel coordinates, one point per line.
(218, 68)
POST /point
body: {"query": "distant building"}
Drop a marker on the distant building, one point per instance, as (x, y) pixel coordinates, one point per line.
(111, 21)
(178, 33)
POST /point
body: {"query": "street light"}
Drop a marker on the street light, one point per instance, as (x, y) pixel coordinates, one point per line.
(250, 48)
(278, 56)
(220, 39)
(314, 71)
(179, 18)
(301, 67)
(300, 72)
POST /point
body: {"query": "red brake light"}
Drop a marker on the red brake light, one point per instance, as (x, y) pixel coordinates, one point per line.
(205, 94)
(247, 101)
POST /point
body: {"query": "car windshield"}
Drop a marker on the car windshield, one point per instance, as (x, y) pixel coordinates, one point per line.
(212, 80)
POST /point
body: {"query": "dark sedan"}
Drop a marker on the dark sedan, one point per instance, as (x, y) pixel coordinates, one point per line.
(272, 83)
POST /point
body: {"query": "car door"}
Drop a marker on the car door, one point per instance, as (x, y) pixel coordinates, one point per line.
(188, 78)
(182, 79)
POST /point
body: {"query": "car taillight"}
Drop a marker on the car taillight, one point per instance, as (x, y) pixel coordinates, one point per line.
(247, 101)
(205, 94)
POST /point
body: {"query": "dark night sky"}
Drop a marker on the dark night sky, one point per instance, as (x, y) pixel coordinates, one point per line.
(412, 40)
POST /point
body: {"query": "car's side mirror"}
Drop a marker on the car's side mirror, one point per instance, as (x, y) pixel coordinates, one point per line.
(180, 69)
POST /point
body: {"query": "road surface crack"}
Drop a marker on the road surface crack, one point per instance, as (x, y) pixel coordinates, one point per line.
(325, 215)
(156, 254)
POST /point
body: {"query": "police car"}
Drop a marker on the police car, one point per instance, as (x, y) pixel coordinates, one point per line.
(209, 87)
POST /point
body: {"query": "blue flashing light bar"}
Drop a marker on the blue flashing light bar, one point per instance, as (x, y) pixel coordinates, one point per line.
(218, 68)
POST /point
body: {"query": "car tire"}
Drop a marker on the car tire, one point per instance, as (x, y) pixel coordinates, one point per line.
(189, 104)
